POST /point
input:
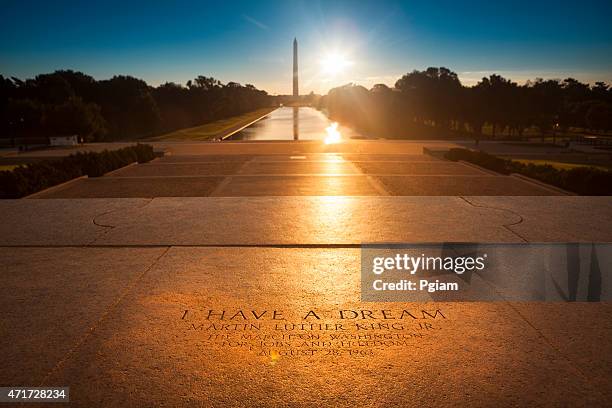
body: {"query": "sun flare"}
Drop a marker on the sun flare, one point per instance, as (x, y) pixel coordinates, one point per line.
(333, 135)
(333, 64)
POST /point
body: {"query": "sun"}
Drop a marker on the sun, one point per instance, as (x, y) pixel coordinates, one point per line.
(333, 135)
(333, 64)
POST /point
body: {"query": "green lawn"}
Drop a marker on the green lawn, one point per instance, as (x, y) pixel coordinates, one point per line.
(215, 129)
(534, 133)
(558, 165)
(8, 166)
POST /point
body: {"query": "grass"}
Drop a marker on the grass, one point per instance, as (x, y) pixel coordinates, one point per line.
(534, 133)
(581, 179)
(4, 167)
(216, 129)
(559, 165)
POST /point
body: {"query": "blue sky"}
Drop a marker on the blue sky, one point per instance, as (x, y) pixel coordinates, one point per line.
(250, 41)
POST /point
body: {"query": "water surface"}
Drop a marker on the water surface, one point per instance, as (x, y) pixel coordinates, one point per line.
(287, 123)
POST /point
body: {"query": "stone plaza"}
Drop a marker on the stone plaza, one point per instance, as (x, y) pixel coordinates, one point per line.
(228, 274)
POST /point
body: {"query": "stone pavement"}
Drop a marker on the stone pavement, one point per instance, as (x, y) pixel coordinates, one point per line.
(129, 301)
(300, 169)
(294, 221)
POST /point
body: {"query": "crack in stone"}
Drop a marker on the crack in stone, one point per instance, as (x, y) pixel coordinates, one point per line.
(546, 340)
(506, 226)
(102, 318)
(549, 342)
(110, 227)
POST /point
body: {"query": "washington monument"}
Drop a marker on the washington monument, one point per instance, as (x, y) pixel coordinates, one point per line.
(296, 92)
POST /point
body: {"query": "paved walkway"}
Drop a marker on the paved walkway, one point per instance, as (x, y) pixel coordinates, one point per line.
(129, 298)
(287, 169)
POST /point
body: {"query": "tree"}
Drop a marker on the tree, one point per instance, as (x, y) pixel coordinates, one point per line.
(546, 98)
(599, 116)
(128, 107)
(474, 110)
(205, 83)
(24, 116)
(380, 89)
(602, 91)
(431, 95)
(498, 94)
(49, 88)
(75, 117)
(66, 102)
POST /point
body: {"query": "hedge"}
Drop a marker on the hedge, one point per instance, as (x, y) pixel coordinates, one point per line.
(37, 176)
(581, 180)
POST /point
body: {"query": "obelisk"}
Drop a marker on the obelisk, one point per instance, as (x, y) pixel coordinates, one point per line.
(296, 92)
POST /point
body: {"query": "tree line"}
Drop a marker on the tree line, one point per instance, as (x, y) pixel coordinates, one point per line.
(434, 103)
(66, 103)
